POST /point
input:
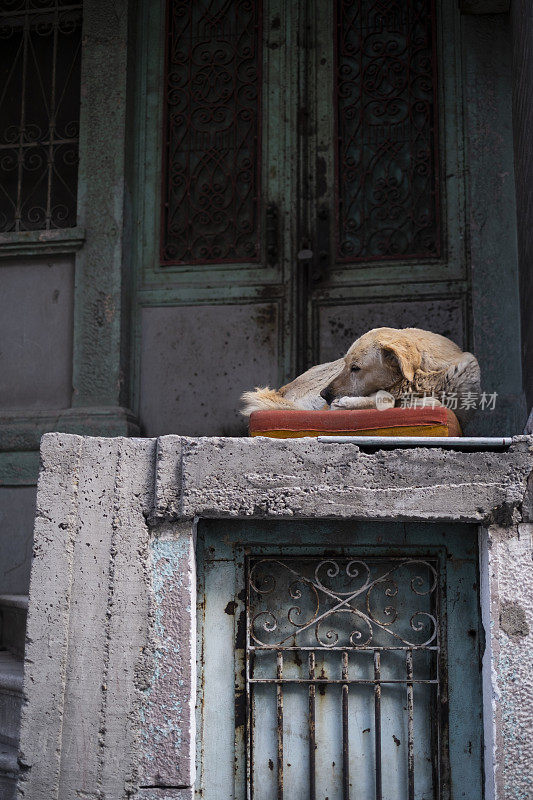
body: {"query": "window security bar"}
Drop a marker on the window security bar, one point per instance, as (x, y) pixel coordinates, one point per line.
(40, 62)
(345, 645)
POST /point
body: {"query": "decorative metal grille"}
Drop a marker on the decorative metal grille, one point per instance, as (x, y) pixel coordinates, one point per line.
(387, 153)
(40, 44)
(211, 175)
(360, 637)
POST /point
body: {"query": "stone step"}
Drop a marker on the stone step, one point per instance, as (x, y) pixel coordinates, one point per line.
(13, 613)
(8, 772)
(11, 679)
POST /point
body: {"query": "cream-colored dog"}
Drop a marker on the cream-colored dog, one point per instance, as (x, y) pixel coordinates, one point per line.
(378, 370)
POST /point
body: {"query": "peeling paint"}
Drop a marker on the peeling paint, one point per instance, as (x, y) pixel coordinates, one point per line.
(166, 712)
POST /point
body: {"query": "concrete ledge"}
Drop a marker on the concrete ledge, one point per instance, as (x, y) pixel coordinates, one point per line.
(291, 478)
(14, 601)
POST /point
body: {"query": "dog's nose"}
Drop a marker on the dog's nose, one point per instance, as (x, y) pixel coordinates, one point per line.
(328, 395)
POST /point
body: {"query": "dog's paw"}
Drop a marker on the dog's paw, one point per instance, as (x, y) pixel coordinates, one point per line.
(348, 402)
(340, 402)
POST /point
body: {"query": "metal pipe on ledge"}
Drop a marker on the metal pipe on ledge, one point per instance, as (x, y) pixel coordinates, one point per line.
(449, 442)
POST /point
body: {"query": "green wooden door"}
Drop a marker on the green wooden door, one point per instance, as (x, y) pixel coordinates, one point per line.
(384, 180)
(215, 285)
(301, 179)
(338, 660)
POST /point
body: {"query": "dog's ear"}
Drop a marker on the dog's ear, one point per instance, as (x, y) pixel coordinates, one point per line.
(403, 353)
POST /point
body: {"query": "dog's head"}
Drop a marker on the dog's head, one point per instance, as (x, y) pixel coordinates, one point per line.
(380, 359)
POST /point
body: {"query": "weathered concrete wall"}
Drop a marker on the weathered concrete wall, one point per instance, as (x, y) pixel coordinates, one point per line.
(110, 660)
(64, 308)
(510, 577)
(90, 626)
(168, 731)
(36, 314)
(37, 307)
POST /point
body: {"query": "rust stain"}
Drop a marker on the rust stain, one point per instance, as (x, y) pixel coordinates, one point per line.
(240, 709)
(321, 687)
(266, 316)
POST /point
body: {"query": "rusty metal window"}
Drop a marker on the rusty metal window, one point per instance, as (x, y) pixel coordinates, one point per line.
(343, 677)
(387, 150)
(40, 43)
(211, 148)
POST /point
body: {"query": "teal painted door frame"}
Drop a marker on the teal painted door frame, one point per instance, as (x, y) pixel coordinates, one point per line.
(225, 715)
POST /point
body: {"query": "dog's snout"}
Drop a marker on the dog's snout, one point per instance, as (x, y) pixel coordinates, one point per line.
(328, 395)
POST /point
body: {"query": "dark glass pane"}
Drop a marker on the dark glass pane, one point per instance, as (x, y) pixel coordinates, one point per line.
(387, 156)
(211, 176)
(39, 110)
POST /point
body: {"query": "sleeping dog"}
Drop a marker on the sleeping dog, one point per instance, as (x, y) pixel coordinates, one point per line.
(377, 371)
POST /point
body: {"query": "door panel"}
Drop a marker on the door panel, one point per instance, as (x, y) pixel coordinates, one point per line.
(323, 663)
(185, 364)
(338, 324)
(386, 161)
(387, 207)
(216, 170)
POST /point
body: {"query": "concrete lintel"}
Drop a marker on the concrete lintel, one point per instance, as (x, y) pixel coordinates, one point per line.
(168, 477)
(218, 477)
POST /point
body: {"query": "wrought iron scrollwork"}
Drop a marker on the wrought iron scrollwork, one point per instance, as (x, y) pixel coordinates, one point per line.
(343, 639)
(344, 603)
(211, 180)
(387, 156)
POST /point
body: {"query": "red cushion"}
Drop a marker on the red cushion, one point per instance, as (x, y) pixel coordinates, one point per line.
(437, 421)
